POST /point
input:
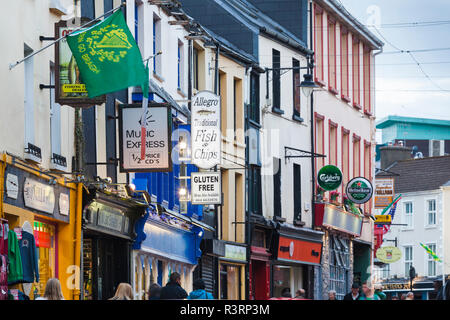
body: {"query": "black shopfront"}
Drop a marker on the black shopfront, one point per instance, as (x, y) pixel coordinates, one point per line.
(108, 234)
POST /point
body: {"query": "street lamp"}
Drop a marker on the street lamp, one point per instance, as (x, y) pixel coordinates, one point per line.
(308, 85)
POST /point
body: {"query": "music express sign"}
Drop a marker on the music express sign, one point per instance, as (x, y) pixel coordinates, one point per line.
(205, 129)
(158, 144)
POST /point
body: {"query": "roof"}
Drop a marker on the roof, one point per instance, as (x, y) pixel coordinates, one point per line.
(352, 22)
(421, 174)
(391, 120)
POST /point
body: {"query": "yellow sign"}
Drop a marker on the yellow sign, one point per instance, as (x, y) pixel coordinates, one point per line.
(383, 219)
(388, 254)
(70, 88)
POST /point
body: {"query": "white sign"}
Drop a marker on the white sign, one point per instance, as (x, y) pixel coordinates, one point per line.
(12, 186)
(205, 130)
(158, 144)
(206, 188)
(39, 196)
(64, 204)
(235, 252)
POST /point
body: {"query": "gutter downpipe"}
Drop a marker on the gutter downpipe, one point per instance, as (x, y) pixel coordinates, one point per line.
(78, 231)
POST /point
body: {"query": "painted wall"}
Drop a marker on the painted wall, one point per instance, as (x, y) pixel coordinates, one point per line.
(39, 22)
(279, 131)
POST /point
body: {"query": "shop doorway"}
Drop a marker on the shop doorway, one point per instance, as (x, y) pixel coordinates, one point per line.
(106, 263)
(260, 279)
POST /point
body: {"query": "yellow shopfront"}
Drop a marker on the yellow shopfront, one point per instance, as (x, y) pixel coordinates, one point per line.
(40, 209)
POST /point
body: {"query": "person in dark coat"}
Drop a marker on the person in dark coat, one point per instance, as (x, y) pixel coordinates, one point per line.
(199, 291)
(154, 292)
(173, 289)
(354, 294)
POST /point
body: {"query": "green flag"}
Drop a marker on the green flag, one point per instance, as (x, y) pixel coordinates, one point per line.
(430, 252)
(107, 56)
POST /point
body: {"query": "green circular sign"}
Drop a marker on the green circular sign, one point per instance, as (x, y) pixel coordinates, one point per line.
(359, 190)
(329, 178)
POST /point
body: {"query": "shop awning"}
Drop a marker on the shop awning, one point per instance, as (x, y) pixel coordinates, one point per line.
(187, 219)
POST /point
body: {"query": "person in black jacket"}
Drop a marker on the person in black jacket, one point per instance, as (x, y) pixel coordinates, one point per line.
(354, 294)
(173, 289)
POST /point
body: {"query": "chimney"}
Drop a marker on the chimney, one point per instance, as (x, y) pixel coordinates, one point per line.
(391, 154)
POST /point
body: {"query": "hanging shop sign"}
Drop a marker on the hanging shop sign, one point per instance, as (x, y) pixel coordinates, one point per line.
(384, 192)
(329, 178)
(236, 253)
(383, 219)
(12, 186)
(38, 196)
(69, 88)
(205, 130)
(206, 188)
(359, 190)
(300, 251)
(158, 143)
(389, 254)
(64, 204)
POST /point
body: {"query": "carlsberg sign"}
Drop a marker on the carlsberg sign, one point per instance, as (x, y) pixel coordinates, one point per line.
(205, 129)
(329, 178)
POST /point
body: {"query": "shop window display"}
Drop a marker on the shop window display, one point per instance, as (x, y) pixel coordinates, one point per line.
(44, 234)
(230, 282)
(339, 266)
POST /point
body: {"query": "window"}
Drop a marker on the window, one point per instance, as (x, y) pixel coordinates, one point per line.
(230, 282)
(435, 148)
(55, 118)
(255, 197)
(297, 192)
(239, 210)
(356, 72)
(180, 65)
(318, 43)
(254, 97)
(296, 89)
(431, 212)
(356, 156)
(195, 68)
(345, 157)
(344, 65)
(339, 265)
(156, 44)
(44, 234)
(408, 259)
(320, 143)
(29, 95)
(408, 214)
(332, 56)
(332, 142)
(367, 91)
(277, 187)
(276, 79)
(431, 263)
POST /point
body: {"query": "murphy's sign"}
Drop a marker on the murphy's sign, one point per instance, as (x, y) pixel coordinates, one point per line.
(205, 130)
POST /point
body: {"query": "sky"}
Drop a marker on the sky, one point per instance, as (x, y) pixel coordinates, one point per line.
(401, 87)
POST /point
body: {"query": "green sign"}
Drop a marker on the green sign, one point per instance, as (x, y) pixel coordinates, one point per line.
(329, 178)
(359, 190)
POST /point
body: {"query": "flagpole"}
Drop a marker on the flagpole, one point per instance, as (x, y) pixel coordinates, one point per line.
(12, 65)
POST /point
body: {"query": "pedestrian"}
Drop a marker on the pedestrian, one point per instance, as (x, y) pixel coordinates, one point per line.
(395, 297)
(403, 296)
(52, 290)
(286, 293)
(331, 295)
(300, 294)
(353, 294)
(409, 296)
(124, 292)
(368, 292)
(199, 291)
(173, 289)
(154, 292)
(379, 291)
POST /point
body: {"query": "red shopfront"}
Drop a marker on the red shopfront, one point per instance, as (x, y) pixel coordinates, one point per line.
(259, 270)
(297, 261)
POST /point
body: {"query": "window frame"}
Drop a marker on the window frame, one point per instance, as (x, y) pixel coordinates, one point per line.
(332, 53)
(429, 259)
(427, 213)
(409, 261)
(318, 32)
(345, 92)
(276, 81)
(405, 214)
(296, 91)
(356, 73)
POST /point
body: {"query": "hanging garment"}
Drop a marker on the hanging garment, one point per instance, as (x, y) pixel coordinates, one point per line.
(15, 260)
(4, 228)
(30, 266)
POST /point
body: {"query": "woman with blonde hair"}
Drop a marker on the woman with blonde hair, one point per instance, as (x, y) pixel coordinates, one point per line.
(123, 292)
(52, 290)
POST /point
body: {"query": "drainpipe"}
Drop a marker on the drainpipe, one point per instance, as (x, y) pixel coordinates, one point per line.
(78, 231)
(310, 70)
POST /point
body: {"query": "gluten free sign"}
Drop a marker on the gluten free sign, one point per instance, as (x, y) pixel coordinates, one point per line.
(206, 188)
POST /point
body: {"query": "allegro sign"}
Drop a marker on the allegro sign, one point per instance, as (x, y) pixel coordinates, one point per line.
(205, 130)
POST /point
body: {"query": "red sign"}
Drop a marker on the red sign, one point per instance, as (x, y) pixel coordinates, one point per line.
(299, 250)
(42, 239)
